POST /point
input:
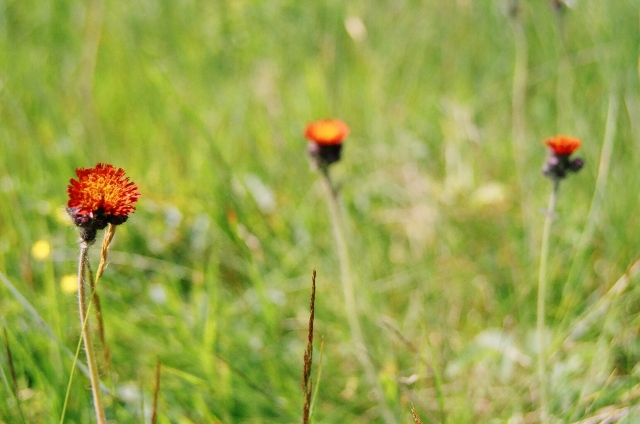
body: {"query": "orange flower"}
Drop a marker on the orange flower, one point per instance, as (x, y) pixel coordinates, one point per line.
(327, 132)
(103, 190)
(558, 162)
(563, 145)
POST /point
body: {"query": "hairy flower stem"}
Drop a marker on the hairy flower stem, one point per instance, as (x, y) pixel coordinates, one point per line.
(349, 292)
(86, 336)
(542, 292)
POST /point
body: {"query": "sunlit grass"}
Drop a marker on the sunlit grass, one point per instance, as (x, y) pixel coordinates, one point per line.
(204, 106)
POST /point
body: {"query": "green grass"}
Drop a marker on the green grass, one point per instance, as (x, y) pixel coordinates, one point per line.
(199, 100)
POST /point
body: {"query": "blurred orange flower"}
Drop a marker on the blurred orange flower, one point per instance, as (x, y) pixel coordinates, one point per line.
(327, 131)
(563, 145)
(558, 162)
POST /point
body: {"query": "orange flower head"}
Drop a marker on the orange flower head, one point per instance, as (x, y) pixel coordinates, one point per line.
(558, 163)
(103, 188)
(562, 145)
(101, 195)
(327, 132)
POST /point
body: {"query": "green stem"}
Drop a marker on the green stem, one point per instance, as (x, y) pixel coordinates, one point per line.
(344, 261)
(542, 291)
(86, 336)
(317, 386)
(569, 297)
(438, 378)
(519, 122)
(349, 292)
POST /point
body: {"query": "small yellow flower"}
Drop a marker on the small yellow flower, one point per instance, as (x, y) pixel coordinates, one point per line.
(69, 283)
(41, 250)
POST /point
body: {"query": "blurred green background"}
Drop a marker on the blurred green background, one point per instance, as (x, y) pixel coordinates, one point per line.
(204, 105)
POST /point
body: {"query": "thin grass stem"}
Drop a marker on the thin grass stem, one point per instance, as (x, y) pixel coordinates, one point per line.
(345, 267)
(266, 392)
(318, 375)
(12, 369)
(73, 368)
(87, 66)
(542, 292)
(308, 355)
(416, 418)
(594, 313)
(104, 249)
(14, 378)
(156, 392)
(519, 121)
(106, 242)
(568, 299)
(42, 323)
(349, 291)
(592, 387)
(141, 391)
(431, 361)
(439, 383)
(5, 381)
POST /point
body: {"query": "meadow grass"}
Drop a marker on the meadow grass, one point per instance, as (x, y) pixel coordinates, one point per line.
(204, 105)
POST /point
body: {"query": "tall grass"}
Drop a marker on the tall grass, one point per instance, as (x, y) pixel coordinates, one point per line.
(204, 104)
